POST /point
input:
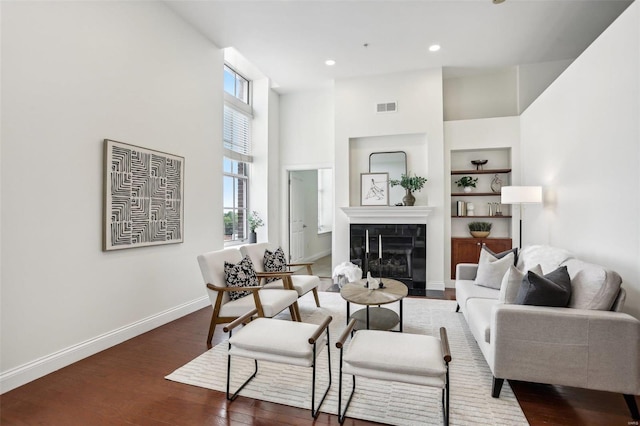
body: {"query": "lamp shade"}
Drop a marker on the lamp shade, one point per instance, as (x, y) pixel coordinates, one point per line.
(521, 194)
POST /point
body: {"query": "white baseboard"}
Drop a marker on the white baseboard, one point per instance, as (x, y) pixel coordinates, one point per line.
(33, 370)
(436, 285)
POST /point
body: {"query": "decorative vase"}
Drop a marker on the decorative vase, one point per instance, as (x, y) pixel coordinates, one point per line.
(480, 234)
(408, 199)
(467, 189)
(253, 237)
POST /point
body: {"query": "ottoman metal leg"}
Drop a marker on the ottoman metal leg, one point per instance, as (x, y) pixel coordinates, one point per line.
(235, 394)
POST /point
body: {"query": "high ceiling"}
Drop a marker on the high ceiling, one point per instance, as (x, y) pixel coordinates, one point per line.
(289, 41)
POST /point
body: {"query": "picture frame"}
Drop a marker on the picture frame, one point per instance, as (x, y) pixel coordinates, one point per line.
(143, 197)
(374, 189)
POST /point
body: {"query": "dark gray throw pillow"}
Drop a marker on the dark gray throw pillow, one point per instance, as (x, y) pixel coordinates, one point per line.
(503, 253)
(552, 289)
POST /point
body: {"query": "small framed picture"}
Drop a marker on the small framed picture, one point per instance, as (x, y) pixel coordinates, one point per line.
(374, 189)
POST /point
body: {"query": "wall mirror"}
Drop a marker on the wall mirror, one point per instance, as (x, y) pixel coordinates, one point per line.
(394, 163)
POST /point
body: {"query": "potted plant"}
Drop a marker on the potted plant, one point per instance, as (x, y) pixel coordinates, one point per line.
(466, 183)
(410, 183)
(480, 229)
(255, 222)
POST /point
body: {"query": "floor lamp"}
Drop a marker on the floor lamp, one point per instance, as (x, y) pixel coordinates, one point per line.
(521, 195)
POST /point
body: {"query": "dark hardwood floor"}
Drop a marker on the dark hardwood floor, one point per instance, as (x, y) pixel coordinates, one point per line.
(125, 385)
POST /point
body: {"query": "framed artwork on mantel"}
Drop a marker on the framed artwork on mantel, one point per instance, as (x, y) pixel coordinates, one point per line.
(374, 189)
(143, 197)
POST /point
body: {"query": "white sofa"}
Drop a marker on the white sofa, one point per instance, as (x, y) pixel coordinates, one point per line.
(589, 344)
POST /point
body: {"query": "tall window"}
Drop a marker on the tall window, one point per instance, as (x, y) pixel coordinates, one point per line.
(237, 155)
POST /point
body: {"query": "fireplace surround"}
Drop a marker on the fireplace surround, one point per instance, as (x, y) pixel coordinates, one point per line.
(403, 252)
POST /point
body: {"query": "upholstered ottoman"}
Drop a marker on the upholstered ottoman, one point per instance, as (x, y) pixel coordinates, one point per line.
(284, 342)
(399, 357)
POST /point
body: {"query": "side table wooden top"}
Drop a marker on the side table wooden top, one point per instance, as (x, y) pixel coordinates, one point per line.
(356, 292)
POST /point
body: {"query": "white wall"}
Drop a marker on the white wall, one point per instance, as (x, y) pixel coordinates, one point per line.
(274, 174)
(307, 128)
(74, 73)
(306, 141)
(581, 141)
(263, 185)
(491, 94)
(419, 97)
(533, 79)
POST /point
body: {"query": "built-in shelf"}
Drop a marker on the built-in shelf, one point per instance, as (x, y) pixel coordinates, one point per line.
(465, 249)
(475, 194)
(486, 217)
(480, 172)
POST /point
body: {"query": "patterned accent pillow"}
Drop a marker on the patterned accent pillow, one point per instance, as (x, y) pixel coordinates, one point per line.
(275, 262)
(240, 274)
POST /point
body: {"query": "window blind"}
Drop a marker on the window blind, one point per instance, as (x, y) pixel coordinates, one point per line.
(237, 138)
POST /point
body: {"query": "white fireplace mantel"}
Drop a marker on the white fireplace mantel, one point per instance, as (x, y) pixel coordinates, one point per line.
(388, 214)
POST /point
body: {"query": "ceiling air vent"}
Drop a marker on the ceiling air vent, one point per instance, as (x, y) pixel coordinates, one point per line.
(387, 107)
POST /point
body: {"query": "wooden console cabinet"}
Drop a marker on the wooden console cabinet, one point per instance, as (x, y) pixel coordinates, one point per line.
(467, 250)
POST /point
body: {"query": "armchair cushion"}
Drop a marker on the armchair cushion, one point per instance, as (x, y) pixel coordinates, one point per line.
(275, 261)
(273, 302)
(240, 274)
(552, 289)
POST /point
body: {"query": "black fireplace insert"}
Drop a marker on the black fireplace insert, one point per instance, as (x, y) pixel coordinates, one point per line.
(404, 253)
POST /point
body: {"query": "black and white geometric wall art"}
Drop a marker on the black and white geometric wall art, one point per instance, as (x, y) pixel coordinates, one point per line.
(144, 197)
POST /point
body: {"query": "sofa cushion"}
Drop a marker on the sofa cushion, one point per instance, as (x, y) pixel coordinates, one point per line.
(511, 283)
(491, 269)
(552, 289)
(466, 290)
(503, 253)
(479, 318)
(592, 286)
(549, 258)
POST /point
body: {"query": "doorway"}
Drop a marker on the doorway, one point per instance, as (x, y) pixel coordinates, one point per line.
(311, 218)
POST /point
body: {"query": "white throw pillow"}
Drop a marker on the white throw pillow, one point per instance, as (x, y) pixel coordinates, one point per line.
(491, 270)
(511, 283)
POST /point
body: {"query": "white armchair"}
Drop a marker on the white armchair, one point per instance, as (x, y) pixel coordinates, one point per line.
(268, 303)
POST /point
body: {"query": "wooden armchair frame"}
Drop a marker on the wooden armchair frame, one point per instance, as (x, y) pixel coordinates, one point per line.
(309, 272)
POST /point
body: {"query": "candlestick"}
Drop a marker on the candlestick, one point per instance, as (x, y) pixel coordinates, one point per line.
(380, 256)
(366, 264)
(366, 244)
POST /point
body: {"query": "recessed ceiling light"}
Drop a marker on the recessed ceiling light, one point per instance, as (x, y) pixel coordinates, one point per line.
(498, 1)
(434, 48)
(330, 62)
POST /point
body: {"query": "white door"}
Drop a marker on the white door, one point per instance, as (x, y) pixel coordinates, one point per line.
(296, 218)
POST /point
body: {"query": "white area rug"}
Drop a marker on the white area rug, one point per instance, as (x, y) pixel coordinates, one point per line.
(386, 402)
